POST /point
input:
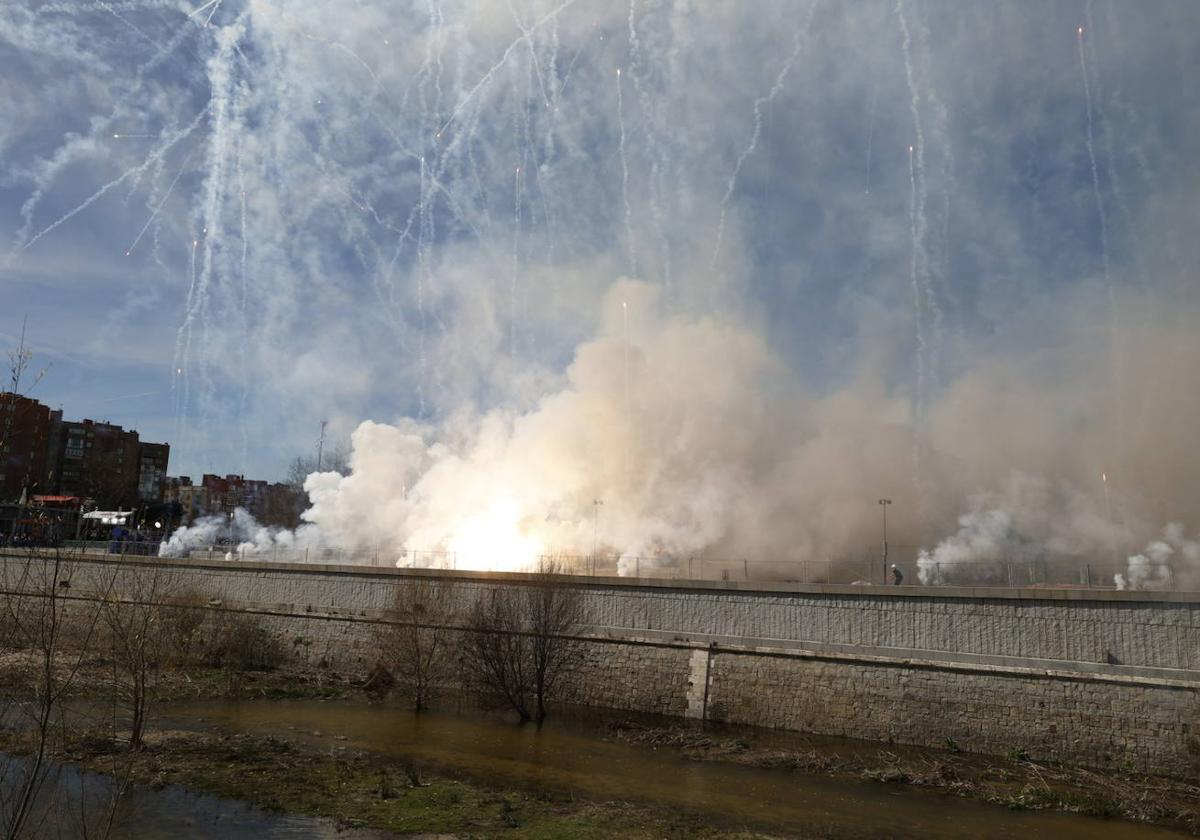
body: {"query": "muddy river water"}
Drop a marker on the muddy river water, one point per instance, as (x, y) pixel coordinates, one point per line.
(572, 755)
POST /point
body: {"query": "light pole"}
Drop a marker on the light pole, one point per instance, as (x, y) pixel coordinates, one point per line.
(321, 444)
(595, 527)
(883, 503)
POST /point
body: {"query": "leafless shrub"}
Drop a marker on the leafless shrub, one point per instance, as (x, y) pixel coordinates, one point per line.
(138, 645)
(415, 646)
(183, 622)
(521, 642)
(243, 643)
(47, 638)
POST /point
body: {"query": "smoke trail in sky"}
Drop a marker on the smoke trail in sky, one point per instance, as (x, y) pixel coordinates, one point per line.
(425, 220)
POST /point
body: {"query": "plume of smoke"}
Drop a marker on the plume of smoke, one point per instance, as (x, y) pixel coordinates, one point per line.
(209, 531)
(1028, 519)
(240, 534)
(1162, 561)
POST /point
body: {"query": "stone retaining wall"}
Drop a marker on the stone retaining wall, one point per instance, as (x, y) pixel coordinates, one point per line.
(1101, 678)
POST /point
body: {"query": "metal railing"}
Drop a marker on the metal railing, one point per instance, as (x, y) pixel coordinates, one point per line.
(1014, 573)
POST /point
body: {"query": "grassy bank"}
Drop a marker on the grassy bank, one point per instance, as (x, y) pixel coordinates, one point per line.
(267, 772)
(1012, 781)
(368, 791)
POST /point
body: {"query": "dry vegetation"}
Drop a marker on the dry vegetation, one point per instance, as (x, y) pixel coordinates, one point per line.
(1013, 781)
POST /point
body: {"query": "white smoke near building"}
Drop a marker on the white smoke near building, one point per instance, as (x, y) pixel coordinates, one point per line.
(225, 530)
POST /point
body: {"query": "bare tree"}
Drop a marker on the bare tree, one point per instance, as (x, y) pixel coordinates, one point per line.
(554, 611)
(522, 641)
(415, 649)
(52, 633)
(138, 637)
(335, 457)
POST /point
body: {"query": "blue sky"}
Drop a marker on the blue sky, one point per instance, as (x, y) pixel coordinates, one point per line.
(363, 210)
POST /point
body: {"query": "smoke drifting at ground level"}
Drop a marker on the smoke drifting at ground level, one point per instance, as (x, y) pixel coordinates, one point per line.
(673, 438)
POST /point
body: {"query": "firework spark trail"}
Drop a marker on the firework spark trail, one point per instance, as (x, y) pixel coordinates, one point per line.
(941, 134)
(535, 64)
(630, 251)
(80, 8)
(421, 387)
(69, 152)
(244, 309)
(917, 292)
(653, 148)
(923, 301)
(221, 81)
(1091, 150)
(1133, 115)
(108, 8)
(512, 283)
(871, 130)
(165, 147)
(157, 208)
(1113, 170)
(183, 394)
(1116, 360)
(495, 68)
(524, 131)
(780, 79)
(200, 9)
(543, 173)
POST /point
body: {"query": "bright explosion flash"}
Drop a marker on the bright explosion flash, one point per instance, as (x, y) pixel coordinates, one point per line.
(496, 540)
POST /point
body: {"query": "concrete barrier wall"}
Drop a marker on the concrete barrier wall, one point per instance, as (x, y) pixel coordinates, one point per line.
(1099, 677)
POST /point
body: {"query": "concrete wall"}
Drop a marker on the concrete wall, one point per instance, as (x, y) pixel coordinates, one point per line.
(1099, 677)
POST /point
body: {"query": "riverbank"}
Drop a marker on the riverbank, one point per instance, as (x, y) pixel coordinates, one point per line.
(360, 789)
(357, 778)
(1013, 781)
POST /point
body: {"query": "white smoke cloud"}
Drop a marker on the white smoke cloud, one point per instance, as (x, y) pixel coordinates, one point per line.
(354, 213)
(207, 531)
(1164, 563)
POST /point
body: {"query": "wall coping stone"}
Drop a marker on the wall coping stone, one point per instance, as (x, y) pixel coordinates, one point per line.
(975, 593)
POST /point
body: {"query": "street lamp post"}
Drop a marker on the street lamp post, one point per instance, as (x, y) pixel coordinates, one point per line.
(883, 503)
(595, 527)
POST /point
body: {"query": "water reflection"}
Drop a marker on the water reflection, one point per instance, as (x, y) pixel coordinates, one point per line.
(75, 804)
(572, 756)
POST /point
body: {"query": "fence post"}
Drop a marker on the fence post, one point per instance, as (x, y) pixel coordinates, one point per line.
(746, 566)
(1170, 577)
(1010, 580)
(305, 554)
